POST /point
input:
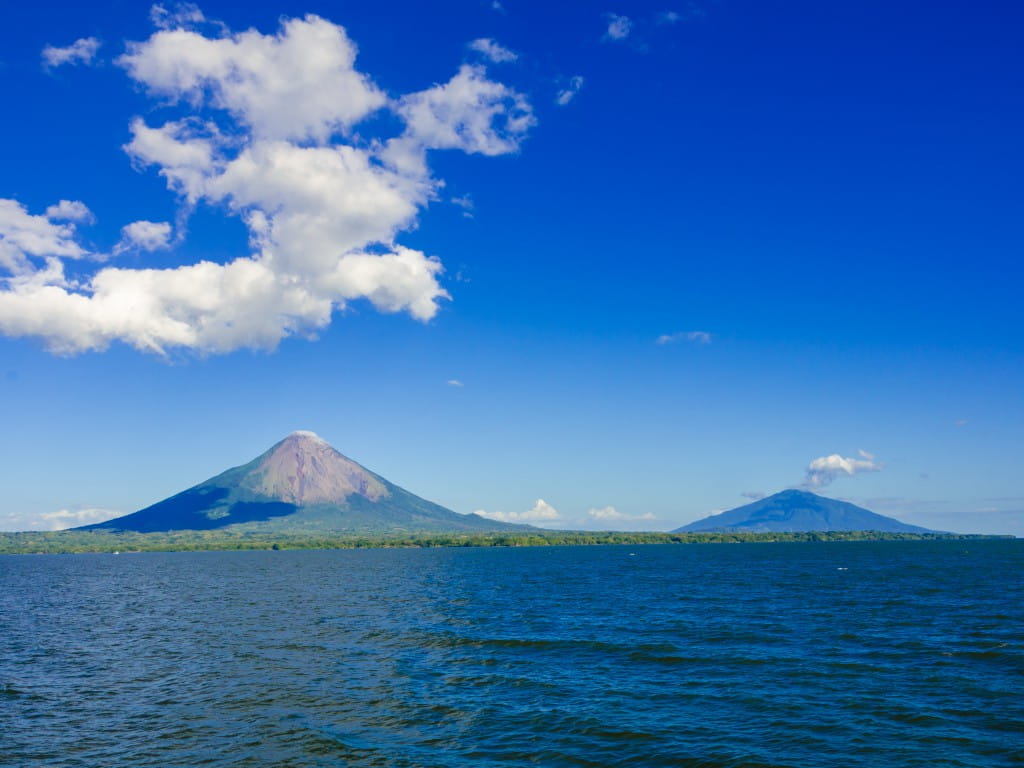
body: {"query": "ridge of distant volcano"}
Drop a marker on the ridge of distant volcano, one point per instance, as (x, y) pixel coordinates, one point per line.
(794, 511)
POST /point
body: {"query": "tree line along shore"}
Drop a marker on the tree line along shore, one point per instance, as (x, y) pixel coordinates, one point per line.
(82, 542)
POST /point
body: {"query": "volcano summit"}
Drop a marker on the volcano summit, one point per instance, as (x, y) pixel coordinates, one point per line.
(300, 485)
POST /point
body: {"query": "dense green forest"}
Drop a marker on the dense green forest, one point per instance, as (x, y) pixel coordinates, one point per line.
(67, 542)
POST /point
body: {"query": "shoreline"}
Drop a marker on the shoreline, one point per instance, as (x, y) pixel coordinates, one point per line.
(97, 542)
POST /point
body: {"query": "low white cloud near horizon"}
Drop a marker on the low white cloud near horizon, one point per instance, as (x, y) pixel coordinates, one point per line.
(540, 512)
(57, 520)
(610, 513)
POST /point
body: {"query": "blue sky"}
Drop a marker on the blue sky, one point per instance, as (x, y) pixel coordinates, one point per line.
(454, 257)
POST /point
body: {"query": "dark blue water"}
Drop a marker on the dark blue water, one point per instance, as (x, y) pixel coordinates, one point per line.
(859, 654)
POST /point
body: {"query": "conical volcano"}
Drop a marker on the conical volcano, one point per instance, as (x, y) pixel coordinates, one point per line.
(300, 484)
(796, 511)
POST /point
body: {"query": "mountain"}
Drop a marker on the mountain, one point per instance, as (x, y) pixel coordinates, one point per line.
(794, 511)
(300, 485)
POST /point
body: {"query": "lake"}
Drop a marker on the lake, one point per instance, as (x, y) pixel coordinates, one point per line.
(828, 654)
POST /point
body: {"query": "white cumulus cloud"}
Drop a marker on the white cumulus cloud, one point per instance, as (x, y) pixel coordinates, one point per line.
(540, 512)
(493, 51)
(298, 84)
(70, 210)
(27, 239)
(82, 51)
(265, 133)
(823, 470)
(470, 112)
(144, 236)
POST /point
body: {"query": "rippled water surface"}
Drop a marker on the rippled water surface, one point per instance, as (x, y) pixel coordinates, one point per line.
(854, 654)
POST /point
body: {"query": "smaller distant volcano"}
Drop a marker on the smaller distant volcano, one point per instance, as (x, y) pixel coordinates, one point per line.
(796, 511)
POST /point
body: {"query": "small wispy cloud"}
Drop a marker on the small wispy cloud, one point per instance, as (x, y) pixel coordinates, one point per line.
(690, 11)
(636, 32)
(961, 423)
(455, 383)
(82, 51)
(493, 51)
(178, 16)
(619, 27)
(696, 337)
(466, 204)
(568, 93)
(823, 470)
(753, 495)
